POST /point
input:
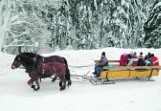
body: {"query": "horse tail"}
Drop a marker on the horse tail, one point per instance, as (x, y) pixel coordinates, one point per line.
(67, 76)
(65, 61)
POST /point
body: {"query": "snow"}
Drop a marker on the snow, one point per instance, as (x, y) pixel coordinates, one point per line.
(124, 95)
(157, 5)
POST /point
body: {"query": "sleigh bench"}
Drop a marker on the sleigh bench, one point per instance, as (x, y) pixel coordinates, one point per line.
(110, 61)
(116, 71)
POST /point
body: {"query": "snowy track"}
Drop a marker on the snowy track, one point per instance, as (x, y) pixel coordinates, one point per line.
(125, 95)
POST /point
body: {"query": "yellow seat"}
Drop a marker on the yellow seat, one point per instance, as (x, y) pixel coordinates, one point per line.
(144, 73)
(114, 74)
(128, 73)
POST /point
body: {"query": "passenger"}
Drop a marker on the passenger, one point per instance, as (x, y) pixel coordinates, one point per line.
(134, 55)
(141, 61)
(148, 60)
(123, 59)
(133, 61)
(141, 55)
(99, 65)
(148, 56)
(155, 59)
(129, 56)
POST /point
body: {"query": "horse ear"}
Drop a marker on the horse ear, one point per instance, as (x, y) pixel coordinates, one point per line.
(19, 49)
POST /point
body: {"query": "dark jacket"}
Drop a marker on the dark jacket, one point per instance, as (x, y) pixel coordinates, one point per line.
(141, 62)
(149, 62)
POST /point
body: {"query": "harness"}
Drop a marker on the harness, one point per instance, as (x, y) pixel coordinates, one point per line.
(42, 66)
(42, 69)
(36, 56)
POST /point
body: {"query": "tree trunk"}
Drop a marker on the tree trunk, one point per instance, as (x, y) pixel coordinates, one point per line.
(4, 20)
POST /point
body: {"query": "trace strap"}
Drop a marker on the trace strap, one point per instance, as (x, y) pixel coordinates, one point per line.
(80, 66)
(43, 67)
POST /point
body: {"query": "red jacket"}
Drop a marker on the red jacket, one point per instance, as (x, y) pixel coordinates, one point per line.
(156, 61)
(123, 60)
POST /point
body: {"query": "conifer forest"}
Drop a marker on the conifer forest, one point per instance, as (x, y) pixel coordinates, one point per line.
(48, 25)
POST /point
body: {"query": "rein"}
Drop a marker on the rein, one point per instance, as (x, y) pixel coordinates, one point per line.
(80, 66)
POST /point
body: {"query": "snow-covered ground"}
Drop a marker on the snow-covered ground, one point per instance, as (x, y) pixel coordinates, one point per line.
(125, 95)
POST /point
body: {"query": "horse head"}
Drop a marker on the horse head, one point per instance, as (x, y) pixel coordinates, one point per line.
(24, 60)
(17, 62)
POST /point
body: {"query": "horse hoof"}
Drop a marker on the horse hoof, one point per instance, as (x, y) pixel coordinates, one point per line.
(62, 88)
(69, 83)
(34, 88)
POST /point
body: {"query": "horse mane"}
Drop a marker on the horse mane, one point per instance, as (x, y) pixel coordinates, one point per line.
(27, 59)
(32, 55)
(29, 54)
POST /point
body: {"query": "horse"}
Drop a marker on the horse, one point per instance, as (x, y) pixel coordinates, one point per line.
(32, 67)
(54, 58)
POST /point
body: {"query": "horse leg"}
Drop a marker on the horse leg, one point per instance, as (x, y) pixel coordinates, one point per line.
(63, 84)
(54, 78)
(38, 85)
(60, 83)
(30, 83)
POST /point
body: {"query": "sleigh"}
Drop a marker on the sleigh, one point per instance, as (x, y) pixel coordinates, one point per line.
(110, 74)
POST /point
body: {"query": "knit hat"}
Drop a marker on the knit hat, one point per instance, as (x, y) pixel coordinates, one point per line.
(141, 53)
(103, 53)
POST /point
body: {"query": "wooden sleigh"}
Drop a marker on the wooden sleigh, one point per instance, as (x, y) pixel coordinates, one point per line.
(122, 72)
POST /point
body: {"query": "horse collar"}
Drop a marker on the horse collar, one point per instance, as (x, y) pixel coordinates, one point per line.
(43, 68)
(36, 56)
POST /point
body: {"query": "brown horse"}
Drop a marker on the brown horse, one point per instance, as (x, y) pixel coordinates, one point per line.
(47, 70)
(37, 57)
(40, 69)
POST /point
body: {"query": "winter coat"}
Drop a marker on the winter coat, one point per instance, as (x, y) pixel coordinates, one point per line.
(149, 62)
(156, 61)
(123, 60)
(141, 62)
(103, 62)
(133, 62)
